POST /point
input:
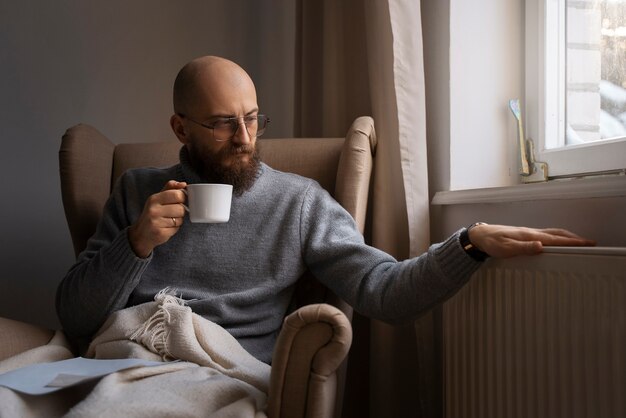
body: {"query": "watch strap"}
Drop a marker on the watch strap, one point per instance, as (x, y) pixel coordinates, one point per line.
(469, 248)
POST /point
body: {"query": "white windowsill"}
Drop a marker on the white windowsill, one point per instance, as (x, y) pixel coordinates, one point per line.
(573, 188)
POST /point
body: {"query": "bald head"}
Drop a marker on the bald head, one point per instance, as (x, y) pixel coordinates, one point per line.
(209, 79)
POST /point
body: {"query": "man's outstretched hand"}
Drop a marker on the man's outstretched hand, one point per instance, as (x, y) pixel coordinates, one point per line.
(503, 241)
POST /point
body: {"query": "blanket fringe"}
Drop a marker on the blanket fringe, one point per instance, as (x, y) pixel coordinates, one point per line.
(153, 333)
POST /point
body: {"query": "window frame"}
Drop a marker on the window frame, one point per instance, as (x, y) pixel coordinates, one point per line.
(545, 121)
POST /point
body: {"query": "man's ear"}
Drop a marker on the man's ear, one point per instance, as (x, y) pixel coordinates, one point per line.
(176, 122)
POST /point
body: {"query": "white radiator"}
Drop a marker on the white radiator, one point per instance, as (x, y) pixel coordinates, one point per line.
(540, 336)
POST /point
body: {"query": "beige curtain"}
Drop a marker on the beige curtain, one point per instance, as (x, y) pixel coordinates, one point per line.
(360, 57)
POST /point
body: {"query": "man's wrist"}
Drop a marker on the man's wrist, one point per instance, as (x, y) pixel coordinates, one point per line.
(469, 247)
(134, 246)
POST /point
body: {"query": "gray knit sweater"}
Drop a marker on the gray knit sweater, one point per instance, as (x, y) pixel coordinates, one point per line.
(241, 274)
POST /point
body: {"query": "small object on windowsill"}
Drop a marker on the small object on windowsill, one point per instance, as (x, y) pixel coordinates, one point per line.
(470, 248)
(531, 171)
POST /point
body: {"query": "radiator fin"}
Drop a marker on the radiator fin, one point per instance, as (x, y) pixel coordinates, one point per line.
(538, 337)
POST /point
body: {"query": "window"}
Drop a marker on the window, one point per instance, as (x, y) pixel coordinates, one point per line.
(576, 84)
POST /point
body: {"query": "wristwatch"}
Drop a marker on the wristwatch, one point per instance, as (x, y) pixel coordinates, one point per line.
(470, 248)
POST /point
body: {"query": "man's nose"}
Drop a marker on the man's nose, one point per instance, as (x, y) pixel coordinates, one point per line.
(241, 134)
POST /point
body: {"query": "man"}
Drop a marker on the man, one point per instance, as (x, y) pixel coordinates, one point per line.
(241, 274)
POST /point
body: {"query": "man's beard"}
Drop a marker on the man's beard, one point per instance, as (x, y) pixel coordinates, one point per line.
(241, 174)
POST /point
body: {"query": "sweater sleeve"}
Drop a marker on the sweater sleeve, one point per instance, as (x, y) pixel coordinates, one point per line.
(373, 282)
(105, 273)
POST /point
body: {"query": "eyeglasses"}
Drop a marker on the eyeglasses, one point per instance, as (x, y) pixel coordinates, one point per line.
(225, 129)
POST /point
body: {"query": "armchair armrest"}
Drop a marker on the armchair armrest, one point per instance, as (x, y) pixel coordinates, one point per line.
(18, 337)
(311, 346)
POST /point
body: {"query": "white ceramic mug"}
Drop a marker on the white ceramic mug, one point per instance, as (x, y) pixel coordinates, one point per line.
(208, 202)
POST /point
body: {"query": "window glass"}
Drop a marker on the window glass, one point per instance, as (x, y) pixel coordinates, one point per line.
(595, 71)
(576, 85)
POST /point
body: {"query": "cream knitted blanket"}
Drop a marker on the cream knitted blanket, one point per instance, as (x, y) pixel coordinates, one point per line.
(216, 377)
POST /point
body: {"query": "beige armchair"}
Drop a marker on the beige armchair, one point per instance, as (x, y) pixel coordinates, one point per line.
(309, 363)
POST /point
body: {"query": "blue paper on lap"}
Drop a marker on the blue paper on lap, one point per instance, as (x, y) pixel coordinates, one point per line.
(43, 378)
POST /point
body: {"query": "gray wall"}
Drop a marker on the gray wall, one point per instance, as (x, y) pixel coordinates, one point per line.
(110, 64)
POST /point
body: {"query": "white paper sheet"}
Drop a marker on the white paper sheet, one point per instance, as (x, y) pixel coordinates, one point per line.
(40, 379)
